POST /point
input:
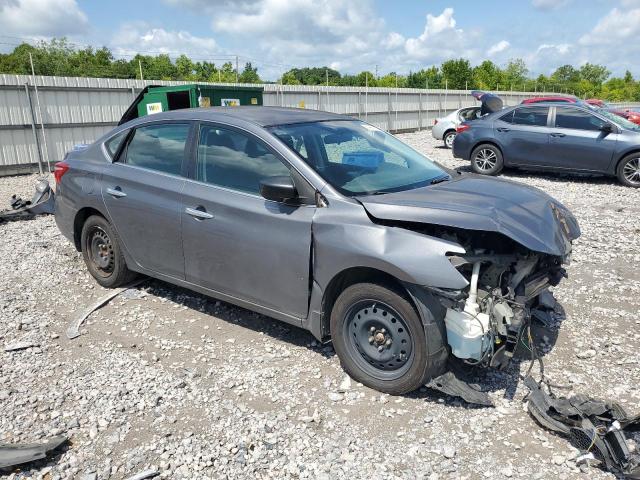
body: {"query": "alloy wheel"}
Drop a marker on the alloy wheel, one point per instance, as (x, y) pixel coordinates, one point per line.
(378, 339)
(486, 159)
(448, 140)
(631, 171)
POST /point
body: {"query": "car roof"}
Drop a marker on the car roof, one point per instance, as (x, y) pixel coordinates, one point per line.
(259, 115)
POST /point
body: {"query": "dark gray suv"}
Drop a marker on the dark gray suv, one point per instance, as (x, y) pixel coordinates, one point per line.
(552, 136)
(324, 222)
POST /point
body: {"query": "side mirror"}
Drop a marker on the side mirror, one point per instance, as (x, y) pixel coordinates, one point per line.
(606, 128)
(278, 189)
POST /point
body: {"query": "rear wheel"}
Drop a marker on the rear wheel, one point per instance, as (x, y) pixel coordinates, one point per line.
(102, 253)
(628, 171)
(379, 338)
(449, 137)
(487, 160)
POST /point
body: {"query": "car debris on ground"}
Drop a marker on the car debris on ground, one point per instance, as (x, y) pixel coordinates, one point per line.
(42, 202)
(11, 455)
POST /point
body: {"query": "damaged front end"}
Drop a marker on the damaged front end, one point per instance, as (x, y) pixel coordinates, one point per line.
(485, 321)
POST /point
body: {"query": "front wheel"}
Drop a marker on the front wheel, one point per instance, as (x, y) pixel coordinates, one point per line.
(628, 171)
(487, 160)
(379, 338)
(448, 139)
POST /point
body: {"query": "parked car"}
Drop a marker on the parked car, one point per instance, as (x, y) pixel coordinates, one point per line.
(551, 99)
(552, 136)
(324, 222)
(628, 114)
(596, 102)
(445, 128)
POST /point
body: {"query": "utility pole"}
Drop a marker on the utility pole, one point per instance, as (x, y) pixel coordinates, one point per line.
(140, 67)
(376, 72)
(44, 137)
(236, 68)
(326, 73)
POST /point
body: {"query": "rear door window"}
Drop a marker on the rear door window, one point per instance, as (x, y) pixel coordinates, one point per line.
(159, 147)
(114, 143)
(576, 119)
(531, 116)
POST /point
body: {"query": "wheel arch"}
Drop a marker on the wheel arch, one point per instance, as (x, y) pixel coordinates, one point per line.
(622, 156)
(488, 142)
(78, 221)
(351, 276)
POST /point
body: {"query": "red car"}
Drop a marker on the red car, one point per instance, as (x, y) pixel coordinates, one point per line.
(596, 102)
(556, 99)
(631, 115)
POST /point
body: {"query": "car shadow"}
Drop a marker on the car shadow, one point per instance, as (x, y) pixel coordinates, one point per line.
(230, 313)
(560, 177)
(543, 334)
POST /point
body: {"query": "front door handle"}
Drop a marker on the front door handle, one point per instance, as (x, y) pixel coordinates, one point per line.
(503, 129)
(198, 212)
(556, 134)
(116, 192)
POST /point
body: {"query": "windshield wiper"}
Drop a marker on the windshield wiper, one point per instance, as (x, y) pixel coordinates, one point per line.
(440, 179)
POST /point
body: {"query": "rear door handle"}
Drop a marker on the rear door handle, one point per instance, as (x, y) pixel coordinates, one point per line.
(558, 134)
(198, 212)
(116, 192)
(503, 129)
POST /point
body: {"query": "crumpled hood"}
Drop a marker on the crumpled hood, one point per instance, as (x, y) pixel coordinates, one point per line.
(525, 214)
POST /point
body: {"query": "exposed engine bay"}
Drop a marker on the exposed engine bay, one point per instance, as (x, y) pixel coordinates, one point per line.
(485, 322)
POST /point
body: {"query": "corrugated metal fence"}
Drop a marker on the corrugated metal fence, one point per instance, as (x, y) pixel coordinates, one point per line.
(41, 118)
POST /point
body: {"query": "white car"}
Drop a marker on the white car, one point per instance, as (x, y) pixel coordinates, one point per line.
(445, 128)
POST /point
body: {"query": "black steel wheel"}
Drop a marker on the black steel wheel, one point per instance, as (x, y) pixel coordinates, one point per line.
(379, 338)
(102, 253)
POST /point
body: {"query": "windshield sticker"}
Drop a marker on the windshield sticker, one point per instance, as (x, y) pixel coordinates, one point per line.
(370, 160)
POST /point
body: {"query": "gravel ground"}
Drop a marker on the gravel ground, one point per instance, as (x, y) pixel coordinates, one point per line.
(168, 379)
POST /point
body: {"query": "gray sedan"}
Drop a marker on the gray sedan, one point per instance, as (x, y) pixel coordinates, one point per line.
(554, 137)
(445, 128)
(324, 222)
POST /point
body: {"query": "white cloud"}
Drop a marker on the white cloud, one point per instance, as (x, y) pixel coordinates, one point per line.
(42, 18)
(499, 47)
(615, 27)
(549, 4)
(138, 37)
(393, 40)
(439, 40)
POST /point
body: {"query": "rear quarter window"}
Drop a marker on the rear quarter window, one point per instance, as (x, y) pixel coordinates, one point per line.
(113, 144)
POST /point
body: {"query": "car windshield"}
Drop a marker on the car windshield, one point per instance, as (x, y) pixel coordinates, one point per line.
(618, 120)
(359, 159)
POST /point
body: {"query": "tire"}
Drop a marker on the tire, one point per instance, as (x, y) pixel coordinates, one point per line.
(487, 159)
(379, 338)
(448, 139)
(628, 171)
(102, 253)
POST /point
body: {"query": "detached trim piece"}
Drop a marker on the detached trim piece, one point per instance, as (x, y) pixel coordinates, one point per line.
(73, 331)
(18, 454)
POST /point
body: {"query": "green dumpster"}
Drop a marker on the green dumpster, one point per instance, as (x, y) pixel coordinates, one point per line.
(156, 99)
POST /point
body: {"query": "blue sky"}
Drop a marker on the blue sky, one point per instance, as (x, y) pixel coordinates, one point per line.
(348, 35)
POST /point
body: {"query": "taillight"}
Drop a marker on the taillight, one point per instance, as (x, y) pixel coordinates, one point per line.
(59, 170)
(462, 128)
(435, 122)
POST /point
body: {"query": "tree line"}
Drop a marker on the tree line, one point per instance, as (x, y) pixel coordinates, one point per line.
(60, 58)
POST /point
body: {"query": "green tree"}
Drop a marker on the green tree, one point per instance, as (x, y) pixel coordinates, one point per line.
(487, 76)
(515, 73)
(457, 73)
(594, 74)
(249, 74)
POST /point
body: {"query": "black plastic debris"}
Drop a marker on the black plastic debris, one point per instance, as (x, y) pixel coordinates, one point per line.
(18, 454)
(595, 427)
(454, 383)
(42, 202)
